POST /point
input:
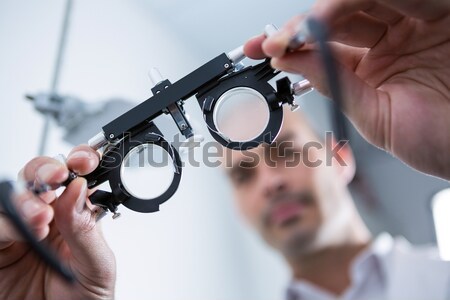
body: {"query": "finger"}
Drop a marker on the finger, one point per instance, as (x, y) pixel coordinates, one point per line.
(34, 212)
(331, 11)
(83, 160)
(253, 47)
(44, 170)
(277, 44)
(364, 106)
(426, 10)
(48, 197)
(10, 234)
(384, 14)
(358, 30)
(77, 225)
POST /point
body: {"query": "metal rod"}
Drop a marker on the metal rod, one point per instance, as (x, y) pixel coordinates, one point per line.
(237, 54)
(319, 32)
(56, 73)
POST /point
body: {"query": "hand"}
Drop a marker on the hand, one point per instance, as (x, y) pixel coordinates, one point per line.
(69, 228)
(394, 64)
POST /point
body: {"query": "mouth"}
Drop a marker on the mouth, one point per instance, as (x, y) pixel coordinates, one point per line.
(284, 214)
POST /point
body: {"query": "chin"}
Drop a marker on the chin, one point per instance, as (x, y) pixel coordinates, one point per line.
(298, 242)
(292, 238)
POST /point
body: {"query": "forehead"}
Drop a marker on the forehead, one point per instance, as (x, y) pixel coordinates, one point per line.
(295, 128)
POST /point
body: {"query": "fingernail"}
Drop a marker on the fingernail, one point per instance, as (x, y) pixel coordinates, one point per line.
(30, 208)
(81, 201)
(46, 172)
(79, 154)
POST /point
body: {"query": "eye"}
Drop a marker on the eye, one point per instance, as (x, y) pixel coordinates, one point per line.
(283, 152)
(241, 177)
(287, 152)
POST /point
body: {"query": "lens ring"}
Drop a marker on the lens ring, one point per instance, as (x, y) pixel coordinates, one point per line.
(120, 193)
(147, 162)
(255, 78)
(267, 136)
(246, 100)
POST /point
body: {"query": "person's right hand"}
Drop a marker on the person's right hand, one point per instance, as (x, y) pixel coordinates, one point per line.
(69, 228)
(393, 58)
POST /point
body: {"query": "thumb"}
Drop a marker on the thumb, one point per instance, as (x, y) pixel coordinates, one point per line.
(365, 106)
(88, 251)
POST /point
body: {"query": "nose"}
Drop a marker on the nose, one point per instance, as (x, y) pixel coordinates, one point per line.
(271, 181)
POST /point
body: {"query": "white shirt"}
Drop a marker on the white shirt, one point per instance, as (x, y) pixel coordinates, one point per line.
(388, 269)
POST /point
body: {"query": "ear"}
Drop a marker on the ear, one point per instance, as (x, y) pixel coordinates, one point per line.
(345, 164)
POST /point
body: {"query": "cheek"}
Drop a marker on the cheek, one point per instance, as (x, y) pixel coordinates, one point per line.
(299, 177)
(327, 187)
(312, 218)
(249, 207)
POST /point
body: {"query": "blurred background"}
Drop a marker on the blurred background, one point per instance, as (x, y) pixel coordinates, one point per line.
(196, 247)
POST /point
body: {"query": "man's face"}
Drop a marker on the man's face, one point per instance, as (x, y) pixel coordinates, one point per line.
(285, 193)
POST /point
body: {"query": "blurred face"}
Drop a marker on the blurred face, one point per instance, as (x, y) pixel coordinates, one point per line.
(295, 202)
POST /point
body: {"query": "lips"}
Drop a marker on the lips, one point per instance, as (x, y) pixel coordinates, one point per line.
(283, 213)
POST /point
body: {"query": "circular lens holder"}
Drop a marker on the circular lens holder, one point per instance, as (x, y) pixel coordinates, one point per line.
(255, 78)
(110, 170)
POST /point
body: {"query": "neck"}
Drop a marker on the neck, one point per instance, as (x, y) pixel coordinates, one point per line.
(328, 268)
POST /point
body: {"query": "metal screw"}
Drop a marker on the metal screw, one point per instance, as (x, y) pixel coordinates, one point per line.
(226, 66)
(111, 136)
(183, 126)
(294, 106)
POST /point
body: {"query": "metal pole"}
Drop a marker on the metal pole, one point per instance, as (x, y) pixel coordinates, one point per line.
(56, 73)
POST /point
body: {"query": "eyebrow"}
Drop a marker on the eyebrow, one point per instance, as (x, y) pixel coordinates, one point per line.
(285, 137)
(239, 166)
